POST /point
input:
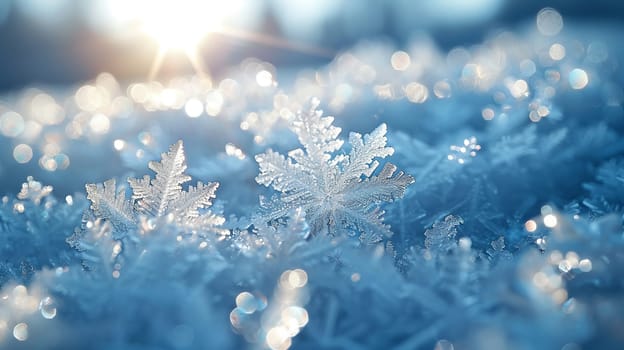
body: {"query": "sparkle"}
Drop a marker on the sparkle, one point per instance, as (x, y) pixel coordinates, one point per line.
(119, 144)
(22, 153)
(19, 207)
(47, 308)
(549, 21)
(233, 151)
(550, 220)
(572, 258)
(214, 103)
(99, 124)
(416, 92)
(530, 226)
(487, 113)
(564, 266)
(400, 60)
(464, 152)
(578, 79)
(20, 331)
(585, 265)
(194, 108)
(519, 89)
(278, 338)
(246, 302)
(557, 51)
(442, 89)
(296, 314)
(297, 278)
(264, 78)
(89, 98)
(145, 138)
(11, 124)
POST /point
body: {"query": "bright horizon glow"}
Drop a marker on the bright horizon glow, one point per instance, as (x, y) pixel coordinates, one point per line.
(175, 24)
(182, 24)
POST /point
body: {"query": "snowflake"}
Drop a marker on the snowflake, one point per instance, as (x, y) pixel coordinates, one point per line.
(607, 190)
(511, 149)
(441, 237)
(336, 191)
(161, 197)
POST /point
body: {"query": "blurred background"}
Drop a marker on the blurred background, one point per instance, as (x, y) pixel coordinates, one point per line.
(54, 42)
(87, 80)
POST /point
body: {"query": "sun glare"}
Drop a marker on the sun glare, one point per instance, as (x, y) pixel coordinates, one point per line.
(182, 24)
(175, 24)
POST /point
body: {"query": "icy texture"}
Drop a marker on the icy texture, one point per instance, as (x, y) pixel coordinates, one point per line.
(337, 191)
(33, 228)
(117, 228)
(441, 237)
(517, 247)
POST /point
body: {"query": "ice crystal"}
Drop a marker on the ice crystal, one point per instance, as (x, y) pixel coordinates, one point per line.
(337, 191)
(441, 237)
(161, 197)
(607, 189)
(511, 149)
(34, 191)
(98, 249)
(497, 250)
(37, 224)
(274, 240)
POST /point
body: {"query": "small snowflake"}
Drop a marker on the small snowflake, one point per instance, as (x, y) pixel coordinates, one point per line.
(34, 191)
(463, 153)
(337, 191)
(441, 237)
(161, 197)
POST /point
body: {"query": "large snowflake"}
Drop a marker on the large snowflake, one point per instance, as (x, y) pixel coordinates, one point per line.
(338, 192)
(160, 197)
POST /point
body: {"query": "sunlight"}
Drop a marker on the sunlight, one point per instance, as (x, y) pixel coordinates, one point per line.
(182, 24)
(178, 25)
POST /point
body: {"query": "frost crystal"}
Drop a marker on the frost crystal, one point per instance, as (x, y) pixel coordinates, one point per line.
(36, 223)
(34, 191)
(337, 191)
(161, 197)
(441, 237)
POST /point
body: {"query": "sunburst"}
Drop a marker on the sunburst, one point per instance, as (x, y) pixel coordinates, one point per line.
(182, 25)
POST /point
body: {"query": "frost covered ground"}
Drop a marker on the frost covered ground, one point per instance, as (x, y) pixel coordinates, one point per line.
(470, 199)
